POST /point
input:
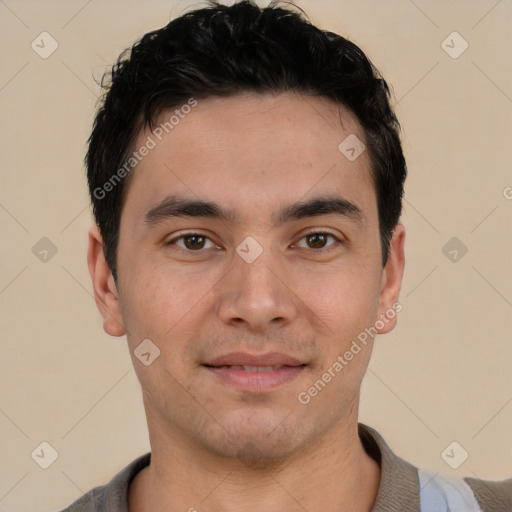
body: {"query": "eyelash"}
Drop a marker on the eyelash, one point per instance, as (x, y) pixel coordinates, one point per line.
(309, 233)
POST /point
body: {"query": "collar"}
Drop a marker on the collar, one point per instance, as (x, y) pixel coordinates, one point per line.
(399, 481)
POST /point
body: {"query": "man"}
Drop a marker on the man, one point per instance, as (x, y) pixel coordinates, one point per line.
(246, 175)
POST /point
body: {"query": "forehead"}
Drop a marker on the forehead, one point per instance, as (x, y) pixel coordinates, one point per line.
(251, 151)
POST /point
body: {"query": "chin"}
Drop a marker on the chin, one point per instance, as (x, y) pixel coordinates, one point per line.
(257, 442)
(258, 456)
(256, 451)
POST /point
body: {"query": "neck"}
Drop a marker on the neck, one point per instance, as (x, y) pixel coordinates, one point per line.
(334, 473)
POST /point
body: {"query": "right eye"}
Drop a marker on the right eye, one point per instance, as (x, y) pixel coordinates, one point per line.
(192, 241)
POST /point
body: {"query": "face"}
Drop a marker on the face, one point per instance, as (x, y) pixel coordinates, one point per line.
(250, 300)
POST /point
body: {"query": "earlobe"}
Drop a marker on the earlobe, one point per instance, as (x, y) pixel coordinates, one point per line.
(391, 282)
(105, 289)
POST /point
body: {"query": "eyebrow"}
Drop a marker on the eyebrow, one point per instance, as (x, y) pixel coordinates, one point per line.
(177, 206)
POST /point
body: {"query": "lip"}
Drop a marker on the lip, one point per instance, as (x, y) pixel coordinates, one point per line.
(227, 369)
(251, 382)
(245, 359)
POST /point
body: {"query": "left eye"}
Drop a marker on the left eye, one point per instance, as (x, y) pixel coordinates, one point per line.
(318, 239)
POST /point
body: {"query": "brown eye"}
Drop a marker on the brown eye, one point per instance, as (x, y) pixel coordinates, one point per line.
(193, 242)
(318, 239)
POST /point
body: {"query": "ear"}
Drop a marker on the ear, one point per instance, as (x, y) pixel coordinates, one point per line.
(105, 290)
(392, 281)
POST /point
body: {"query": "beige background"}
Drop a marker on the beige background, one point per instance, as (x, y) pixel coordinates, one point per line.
(442, 375)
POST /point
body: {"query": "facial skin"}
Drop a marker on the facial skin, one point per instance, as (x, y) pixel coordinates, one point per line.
(306, 297)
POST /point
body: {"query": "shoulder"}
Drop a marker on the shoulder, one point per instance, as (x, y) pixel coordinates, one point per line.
(492, 496)
(91, 501)
(407, 487)
(113, 496)
(442, 493)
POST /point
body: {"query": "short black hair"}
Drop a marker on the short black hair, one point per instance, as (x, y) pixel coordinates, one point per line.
(223, 51)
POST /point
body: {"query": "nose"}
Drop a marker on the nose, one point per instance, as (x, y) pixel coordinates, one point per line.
(259, 295)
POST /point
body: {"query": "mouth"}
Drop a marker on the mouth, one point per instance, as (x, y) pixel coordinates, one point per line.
(251, 368)
(251, 373)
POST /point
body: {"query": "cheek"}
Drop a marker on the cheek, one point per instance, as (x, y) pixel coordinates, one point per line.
(157, 303)
(344, 300)
(164, 311)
